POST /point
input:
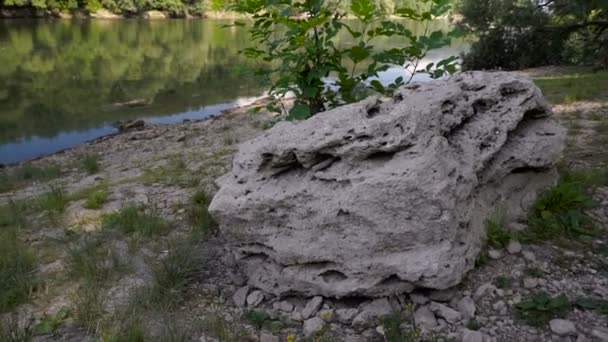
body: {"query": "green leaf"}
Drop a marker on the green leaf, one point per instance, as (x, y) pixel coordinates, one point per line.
(359, 53)
(299, 112)
(377, 86)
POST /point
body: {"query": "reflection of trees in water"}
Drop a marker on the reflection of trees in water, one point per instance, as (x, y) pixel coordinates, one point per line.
(67, 75)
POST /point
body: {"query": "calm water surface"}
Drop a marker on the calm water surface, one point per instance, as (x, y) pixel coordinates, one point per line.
(66, 82)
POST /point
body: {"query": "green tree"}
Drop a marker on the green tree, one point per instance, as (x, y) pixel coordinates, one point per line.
(299, 39)
(527, 33)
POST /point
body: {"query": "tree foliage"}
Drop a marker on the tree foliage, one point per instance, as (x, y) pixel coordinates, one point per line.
(528, 33)
(299, 39)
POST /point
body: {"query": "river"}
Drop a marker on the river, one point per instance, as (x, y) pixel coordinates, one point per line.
(63, 82)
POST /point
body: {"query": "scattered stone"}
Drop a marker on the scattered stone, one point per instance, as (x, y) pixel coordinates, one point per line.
(240, 296)
(420, 171)
(346, 316)
(517, 227)
(600, 333)
(450, 315)
(562, 327)
(283, 305)
(419, 299)
(425, 318)
(313, 325)
(255, 298)
(443, 295)
(529, 256)
(530, 283)
(484, 290)
(514, 247)
(466, 306)
(266, 336)
(500, 306)
(371, 312)
(312, 307)
(495, 254)
(472, 336)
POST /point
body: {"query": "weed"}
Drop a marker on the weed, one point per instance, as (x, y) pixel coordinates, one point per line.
(598, 305)
(396, 331)
(473, 324)
(12, 330)
(50, 323)
(559, 212)
(497, 237)
(171, 277)
(503, 282)
(136, 220)
(97, 198)
(199, 216)
(258, 318)
(173, 333)
(54, 201)
(540, 308)
(534, 272)
(17, 268)
(92, 261)
(90, 163)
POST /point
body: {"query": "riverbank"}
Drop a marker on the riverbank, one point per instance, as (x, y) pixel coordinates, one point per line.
(112, 239)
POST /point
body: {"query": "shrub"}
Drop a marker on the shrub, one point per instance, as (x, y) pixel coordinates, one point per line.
(306, 53)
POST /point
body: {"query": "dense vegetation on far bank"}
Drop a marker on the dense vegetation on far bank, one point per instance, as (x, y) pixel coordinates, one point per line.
(173, 8)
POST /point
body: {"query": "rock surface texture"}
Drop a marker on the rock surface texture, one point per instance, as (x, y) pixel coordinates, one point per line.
(385, 195)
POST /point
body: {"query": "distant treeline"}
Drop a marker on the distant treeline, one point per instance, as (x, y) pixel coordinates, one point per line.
(172, 7)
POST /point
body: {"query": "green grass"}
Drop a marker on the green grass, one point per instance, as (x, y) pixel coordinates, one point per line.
(538, 309)
(574, 87)
(19, 177)
(50, 323)
(89, 163)
(559, 212)
(17, 270)
(137, 221)
(199, 216)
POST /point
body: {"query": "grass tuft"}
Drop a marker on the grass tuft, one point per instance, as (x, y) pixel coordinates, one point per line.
(199, 216)
(19, 177)
(90, 164)
(12, 330)
(136, 220)
(96, 199)
(54, 202)
(171, 277)
(496, 235)
(92, 261)
(17, 270)
(538, 309)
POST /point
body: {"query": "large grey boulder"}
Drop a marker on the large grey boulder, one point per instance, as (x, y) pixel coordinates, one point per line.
(386, 195)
